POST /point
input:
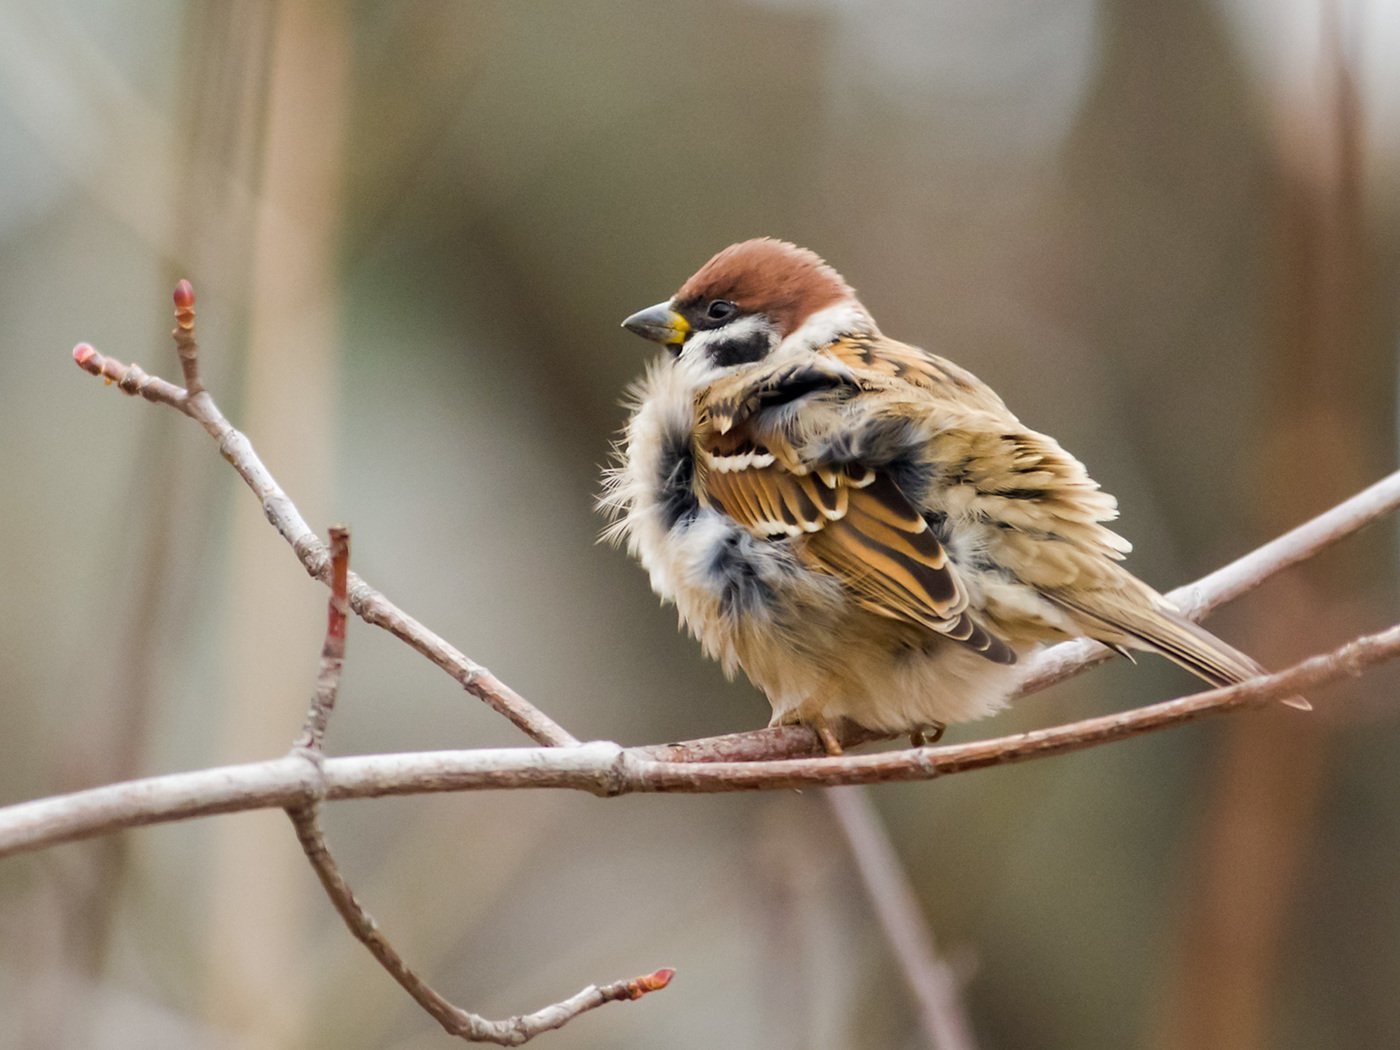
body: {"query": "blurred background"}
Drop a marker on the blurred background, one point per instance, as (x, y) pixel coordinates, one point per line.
(1167, 233)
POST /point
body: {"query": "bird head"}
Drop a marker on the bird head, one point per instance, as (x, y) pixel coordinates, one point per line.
(747, 301)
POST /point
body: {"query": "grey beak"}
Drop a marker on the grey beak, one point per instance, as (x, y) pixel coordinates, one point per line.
(658, 323)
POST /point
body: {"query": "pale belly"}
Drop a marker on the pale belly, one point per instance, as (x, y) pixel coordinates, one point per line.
(802, 640)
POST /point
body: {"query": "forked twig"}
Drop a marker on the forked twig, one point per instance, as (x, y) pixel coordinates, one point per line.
(305, 817)
(368, 603)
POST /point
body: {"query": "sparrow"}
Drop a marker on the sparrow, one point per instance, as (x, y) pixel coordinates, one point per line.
(861, 526)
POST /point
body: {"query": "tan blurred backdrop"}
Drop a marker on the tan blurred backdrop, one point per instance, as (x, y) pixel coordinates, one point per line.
(1166, 233)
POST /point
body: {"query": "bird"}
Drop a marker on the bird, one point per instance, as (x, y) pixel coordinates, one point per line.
(861, 526)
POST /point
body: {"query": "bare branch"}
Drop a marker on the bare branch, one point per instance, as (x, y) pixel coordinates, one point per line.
(368, 604)
(770, 742)
(606, 769)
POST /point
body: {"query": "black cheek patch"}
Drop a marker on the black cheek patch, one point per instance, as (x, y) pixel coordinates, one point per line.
(742, 350)
(676, 480)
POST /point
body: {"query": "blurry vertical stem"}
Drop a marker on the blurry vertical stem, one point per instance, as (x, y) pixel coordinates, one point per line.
(258, 986)
(1328, 406)
(931, 980)
(114, 745)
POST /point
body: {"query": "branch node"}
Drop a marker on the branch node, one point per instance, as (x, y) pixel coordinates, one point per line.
(616, 777)
(317, 790)
(132, 379)
(926, 758)
(1191, 603)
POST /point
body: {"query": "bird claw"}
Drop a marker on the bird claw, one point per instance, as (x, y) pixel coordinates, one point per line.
(926, 735)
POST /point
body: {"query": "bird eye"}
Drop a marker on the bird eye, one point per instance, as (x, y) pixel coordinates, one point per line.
(720, 310)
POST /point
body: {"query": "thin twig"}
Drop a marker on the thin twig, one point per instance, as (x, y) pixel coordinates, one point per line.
(455, 1021)
(369, 604)
(932, 981)
(754, 745)
(333, 649)
(606, 769)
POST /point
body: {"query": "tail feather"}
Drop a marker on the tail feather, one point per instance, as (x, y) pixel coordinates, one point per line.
(1166, 631)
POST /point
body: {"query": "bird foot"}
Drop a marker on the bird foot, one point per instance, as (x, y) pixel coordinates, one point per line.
(929, 734)
(827, 736)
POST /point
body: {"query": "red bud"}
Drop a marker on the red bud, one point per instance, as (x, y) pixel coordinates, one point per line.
(652, 982)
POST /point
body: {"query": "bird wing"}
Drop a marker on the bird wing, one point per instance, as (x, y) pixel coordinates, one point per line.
(755, 460)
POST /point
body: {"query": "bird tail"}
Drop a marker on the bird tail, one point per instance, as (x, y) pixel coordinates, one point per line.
(1161, 628)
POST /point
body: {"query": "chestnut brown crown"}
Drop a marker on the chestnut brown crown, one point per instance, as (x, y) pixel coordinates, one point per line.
(777, 279)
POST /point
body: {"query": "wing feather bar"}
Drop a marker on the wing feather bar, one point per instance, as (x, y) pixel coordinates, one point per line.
(765, 495)
(876, 592)
(929, 552)
(741, 483)
(729, 494)
(934, 589)
(881, 499)
(802, 504)
(832, 501)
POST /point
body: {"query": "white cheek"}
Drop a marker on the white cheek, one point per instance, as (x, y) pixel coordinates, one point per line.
(696, 354)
